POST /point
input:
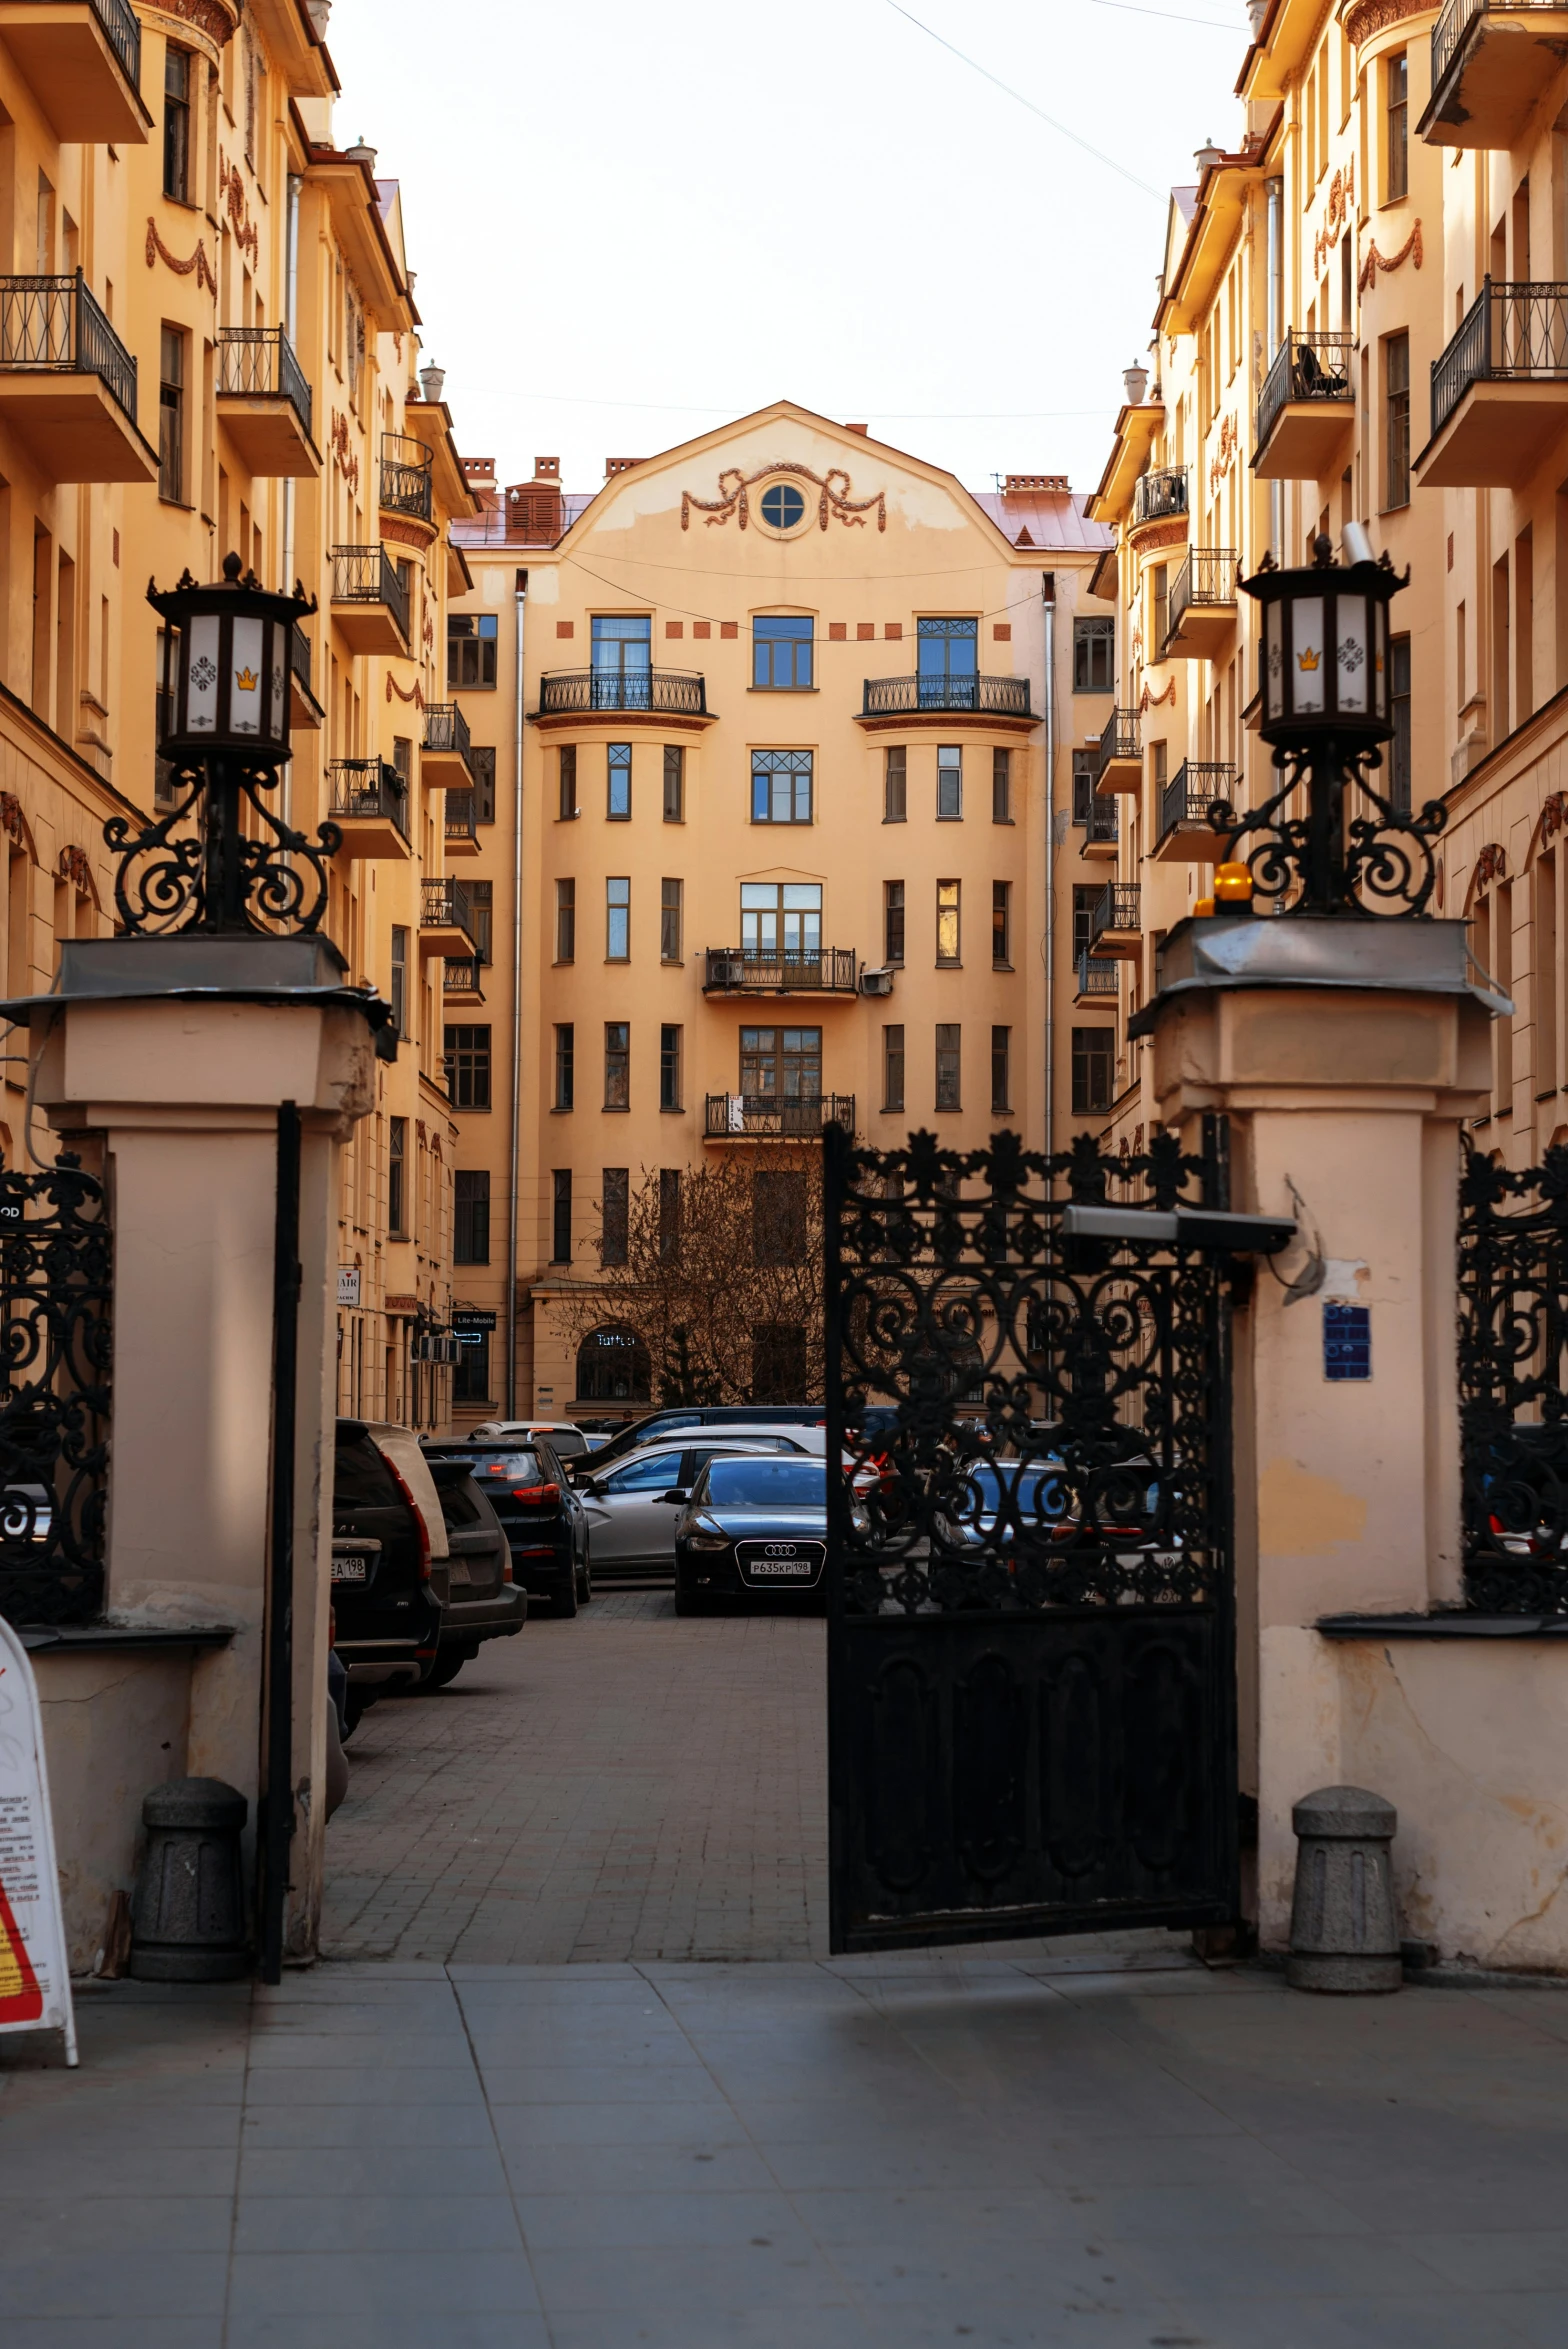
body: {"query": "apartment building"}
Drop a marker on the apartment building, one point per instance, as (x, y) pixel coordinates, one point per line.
(784, 826)
(210, 343)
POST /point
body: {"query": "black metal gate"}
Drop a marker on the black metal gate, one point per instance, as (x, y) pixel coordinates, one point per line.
(1031, 1649)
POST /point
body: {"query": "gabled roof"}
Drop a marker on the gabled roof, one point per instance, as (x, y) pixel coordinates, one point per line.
(1056, 521)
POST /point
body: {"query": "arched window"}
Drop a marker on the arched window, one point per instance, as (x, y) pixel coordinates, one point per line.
(612, 1367)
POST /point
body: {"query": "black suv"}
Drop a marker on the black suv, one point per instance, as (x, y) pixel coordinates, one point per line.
(388, 1594)
(543, 1519)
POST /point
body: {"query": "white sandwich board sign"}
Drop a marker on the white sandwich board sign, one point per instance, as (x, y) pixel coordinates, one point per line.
(35, 1982)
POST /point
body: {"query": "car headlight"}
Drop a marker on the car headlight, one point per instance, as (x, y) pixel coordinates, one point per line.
(703, 1534)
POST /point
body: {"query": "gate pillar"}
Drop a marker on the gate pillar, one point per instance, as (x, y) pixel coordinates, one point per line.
(1346, 1052)
(179, 1053)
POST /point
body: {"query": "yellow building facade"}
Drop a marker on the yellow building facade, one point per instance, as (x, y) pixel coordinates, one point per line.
(208, 342)
(780, 722)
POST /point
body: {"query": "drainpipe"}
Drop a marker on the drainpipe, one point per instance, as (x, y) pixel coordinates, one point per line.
(1048, 603)
(1276, 335)
(513, 1185)
(290, 312)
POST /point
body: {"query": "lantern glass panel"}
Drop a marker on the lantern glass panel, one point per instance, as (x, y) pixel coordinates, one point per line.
(277, 687)
(1353, 653)
(1306, 623)
(202, 675)
(245, 680)
(1380, 681)
(1274, 658)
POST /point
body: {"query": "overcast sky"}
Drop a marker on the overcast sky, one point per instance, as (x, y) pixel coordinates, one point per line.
(631, 220)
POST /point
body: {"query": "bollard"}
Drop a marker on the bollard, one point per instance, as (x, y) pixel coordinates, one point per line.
(1344, 1935)
(188, 1912)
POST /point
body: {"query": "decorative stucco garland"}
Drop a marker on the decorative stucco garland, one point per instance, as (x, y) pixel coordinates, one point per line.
(157, 251)
(835, 499)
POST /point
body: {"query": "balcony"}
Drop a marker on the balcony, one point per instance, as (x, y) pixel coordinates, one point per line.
(1306, 408)
(1201, 614)
(370, 808)
(1500, 389)
(1101, 831)
(82, 60)
(446, 920)
(304, 709)
(369, 600)
(624, 693)
(1096, 980)
(68, 384)
(462, 979)
(1120, 766)
(444, 747)
(406, 477)
(1491, 61)
(768, 1117)
(746, 970)
(1115, 923)
(1159, 496)
(1186, 836)
(264, 404)
(1002, 701)
(462, 824)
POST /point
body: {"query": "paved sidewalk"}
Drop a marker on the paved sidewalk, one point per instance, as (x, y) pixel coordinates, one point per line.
(889, 2154)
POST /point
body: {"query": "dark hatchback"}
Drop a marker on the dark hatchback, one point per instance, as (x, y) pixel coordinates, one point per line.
(754, 1529)
(387, 1594)
(544, 1521)
(714, 1416)
(483, 1601)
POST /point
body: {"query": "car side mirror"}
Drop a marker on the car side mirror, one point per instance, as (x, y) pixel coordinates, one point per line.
(588, 1486)
(675, 1494)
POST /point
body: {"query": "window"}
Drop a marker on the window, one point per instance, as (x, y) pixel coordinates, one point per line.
(1160, 607)
(781, 786)
(783, 507)
(1001, 1058)
(948, 1064)
(669, 1211)
(781, 650)
(561, 1215)
(566, 921)
(947, 659)
(615, 1216)
(1085, 809)
(892, 921)
(471, 1215)
(1094, 650)
(671, 894)
(669, 1067)
(778, 1216)
(1094, 1059)
(471, 1372)
(177, 124)
(947, 933)
(1396, 413)
(618, 783)
(471, 639)
(618, 919)
(468, 1067)
(1001, 925)
(613, 1367)
(400, 979)
(781, 1064)
(778, 1362)
(565, 1065)
(949, 783)
(621, 654)
(397, 1170)
(481, 906)
(1397, 70)
(1399, 777)
(1085, 898)
(481, 763)
(781, 918)
(674, 783)
(617, 1064)
(895, 787)
(171, 415)
(893, 1068)
(1001, 786)
(566, 784)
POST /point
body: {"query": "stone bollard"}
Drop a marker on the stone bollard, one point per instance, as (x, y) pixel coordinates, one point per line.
(188, 1912)
(1344, 1935)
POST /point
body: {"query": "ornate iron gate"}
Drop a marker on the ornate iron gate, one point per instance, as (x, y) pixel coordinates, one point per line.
(1031, 1651)
(55, 1271)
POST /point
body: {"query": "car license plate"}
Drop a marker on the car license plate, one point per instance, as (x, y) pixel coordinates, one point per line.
(350, 1569)
(779, 1563)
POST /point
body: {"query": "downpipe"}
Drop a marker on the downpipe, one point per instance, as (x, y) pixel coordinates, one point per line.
(513, 1172)
(1048, 602)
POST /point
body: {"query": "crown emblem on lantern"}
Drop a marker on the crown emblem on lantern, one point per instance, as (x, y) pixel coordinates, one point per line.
(1308, 660)
(246, 680)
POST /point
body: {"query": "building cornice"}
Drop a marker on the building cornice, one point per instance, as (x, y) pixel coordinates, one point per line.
(1363, 20)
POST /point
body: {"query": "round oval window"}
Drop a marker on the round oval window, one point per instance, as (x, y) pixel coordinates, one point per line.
(782, 506)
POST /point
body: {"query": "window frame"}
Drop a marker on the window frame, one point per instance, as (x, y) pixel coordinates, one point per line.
(1001, 784)
(397, 1178)
(172, 390)
(675, 783)
(672, 1056)
(617, 1066)
(1001, 925)
(177, 105)
(949, 1070)
(894, 919)
(893, 1068)
(617, 771)
(776, 632)
(561, 1215)
(567, 810)
(482, 631)
(1396, 126)
(615, 1215)
(949, 925)
(1093, 1051)
(468, 1065)
(1001, 1071)
(766, 767)
(617, 918)
(672, 920)
(471, 1215)
(1396, 421)
(566, 920)
(950, 783)
(1092, 629)
(564, 1064)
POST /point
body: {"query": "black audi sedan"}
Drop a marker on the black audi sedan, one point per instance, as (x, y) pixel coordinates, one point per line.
(754, 1528)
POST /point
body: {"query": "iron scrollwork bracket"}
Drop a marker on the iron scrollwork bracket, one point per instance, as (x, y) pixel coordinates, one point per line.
(1380, 863)
(219, 876)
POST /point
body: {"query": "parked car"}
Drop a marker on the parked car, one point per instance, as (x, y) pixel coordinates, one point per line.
(483, 1601)
(632, 1506)
(638, 1432)
(389, 1560)
(754, 1529)
(565, 1440)
(542, 1517)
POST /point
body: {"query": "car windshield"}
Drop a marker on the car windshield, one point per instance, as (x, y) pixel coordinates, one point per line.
(516, 1467)
(566, 1442)
(767, 1484)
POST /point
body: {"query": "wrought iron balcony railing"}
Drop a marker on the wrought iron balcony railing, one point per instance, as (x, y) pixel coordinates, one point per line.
(462, 974)
(1159, 494)
(1448, 34)
(776, 1117)
(123, 34)
(447, 905)
(259, 362)
(368, 787)
(1116, 910)
(52, 325)
(1191, 792)
(299, 656)
(1097, 978)
(986, 697)
(406, 475)
(740, 970)
(1121, 737)
(1100, 825)
(1305, 367)
(666, 692)
(1513, 331)
(1208, 576)
(368, 575)
(446, 729)
(462, 820)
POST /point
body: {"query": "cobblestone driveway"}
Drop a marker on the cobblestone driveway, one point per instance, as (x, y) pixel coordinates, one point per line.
(621, 1787)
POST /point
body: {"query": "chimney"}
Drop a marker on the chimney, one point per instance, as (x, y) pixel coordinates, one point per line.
(432, 382)
(1135, 382)
(547, 468)
(1029, 485)
(614, 465)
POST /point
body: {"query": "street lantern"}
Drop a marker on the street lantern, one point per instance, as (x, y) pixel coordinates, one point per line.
(225, 683)
(1325, 667)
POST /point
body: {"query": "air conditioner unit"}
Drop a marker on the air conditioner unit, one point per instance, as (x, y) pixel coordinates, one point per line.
(879, 982)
